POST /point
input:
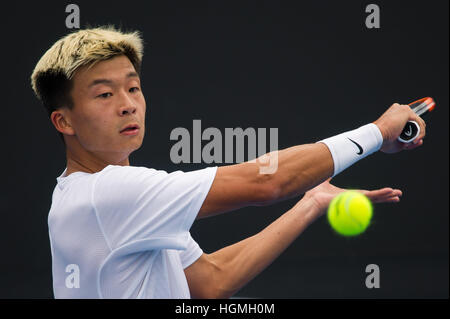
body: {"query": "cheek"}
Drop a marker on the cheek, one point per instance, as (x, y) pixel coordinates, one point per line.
(140, 101)
(95, 124)
(143, 109)
(95, 128)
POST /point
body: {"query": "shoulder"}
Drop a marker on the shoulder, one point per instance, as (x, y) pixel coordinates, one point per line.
(115, 174)
(117, 183)
(121, 182)
(140, 174)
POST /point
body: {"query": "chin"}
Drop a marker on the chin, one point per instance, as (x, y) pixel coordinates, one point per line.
(137, 146)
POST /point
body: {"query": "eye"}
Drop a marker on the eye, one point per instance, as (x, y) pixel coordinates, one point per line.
(134, 89)
(105, 95)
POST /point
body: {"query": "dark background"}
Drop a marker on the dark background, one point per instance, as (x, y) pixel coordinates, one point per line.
(309, 68)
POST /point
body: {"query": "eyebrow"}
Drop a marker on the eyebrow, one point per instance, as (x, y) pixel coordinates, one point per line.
(108, 81)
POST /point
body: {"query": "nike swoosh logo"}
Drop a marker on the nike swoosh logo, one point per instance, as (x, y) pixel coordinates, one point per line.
(359, 146)
(408, 132)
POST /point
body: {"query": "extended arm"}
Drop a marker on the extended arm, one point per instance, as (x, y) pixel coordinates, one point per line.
(300, 168)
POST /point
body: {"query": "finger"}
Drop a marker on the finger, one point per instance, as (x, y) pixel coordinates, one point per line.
(411, 146)
(394, 193)
(383, 198)
(379, 194)
(383, 194)
(422, 126)
(392, 199)
(420, 143)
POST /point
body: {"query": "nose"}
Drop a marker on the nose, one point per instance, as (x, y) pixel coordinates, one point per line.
(127, 106)
(130, 109)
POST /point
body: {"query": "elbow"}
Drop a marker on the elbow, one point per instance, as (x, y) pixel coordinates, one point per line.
(217, 294)
(209, 293)
(218, 281)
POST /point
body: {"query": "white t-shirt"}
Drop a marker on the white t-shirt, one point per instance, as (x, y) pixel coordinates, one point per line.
(123, 232)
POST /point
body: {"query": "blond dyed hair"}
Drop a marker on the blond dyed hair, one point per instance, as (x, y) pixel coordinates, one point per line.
(52, 77)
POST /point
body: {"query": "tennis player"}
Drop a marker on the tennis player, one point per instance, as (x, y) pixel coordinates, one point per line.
(121, 231)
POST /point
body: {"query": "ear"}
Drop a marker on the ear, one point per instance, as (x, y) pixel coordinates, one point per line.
(61, 121)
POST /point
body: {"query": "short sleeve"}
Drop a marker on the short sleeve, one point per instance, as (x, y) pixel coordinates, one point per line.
(191, 253)
(141, 204)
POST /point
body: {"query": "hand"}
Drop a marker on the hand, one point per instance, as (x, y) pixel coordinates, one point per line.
(391, 125)
(322, 194)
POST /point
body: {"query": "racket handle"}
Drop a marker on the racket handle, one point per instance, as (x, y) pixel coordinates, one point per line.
(410, 132)
(412, 129)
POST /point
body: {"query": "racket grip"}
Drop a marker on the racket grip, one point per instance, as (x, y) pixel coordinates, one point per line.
(410, 132)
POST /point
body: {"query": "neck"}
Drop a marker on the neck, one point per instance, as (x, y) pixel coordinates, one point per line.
(89, 162)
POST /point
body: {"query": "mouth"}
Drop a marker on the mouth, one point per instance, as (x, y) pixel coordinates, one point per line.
(131, 129)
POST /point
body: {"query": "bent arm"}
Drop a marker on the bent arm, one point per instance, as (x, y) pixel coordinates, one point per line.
(299, 168)
(229, 269)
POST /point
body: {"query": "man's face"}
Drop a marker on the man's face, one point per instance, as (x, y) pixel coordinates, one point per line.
(107, 98)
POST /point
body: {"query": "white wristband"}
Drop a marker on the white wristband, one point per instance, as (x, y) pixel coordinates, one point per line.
(349, 147)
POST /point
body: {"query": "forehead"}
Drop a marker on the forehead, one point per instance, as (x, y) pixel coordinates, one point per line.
(115, 68)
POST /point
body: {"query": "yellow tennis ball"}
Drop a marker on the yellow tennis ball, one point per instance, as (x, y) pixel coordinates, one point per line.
(349, 213)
